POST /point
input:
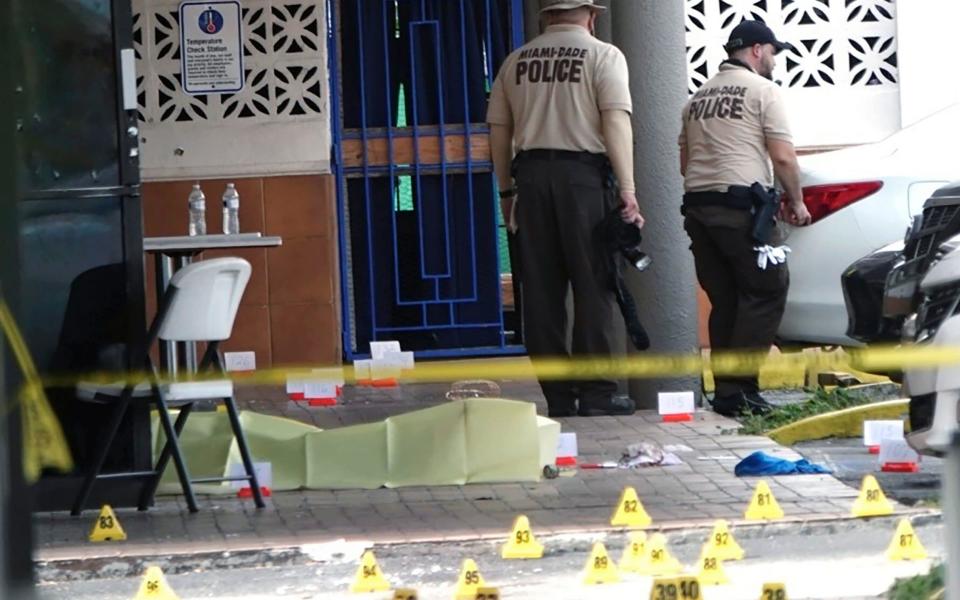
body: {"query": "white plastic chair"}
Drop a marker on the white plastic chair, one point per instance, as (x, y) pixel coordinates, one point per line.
(199, 305)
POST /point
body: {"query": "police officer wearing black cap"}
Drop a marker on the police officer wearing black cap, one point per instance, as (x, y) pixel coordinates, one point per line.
(735, 138)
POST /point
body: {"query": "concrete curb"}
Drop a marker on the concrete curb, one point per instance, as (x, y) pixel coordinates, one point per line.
(131, 561)
(841, 423)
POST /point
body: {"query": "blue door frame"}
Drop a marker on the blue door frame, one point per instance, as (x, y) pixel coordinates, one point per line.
(419, 228)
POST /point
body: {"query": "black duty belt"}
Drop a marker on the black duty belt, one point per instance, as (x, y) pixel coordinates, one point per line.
(590, 158)
(736, 196)
(761, 201)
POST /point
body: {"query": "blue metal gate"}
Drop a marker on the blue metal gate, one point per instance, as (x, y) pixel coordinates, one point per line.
(421, 241)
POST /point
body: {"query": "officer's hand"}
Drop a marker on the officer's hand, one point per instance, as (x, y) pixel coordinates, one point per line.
(796, 213)
(631, 210)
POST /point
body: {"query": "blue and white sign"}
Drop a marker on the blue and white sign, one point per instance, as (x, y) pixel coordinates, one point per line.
(211, 21)
(211, 47)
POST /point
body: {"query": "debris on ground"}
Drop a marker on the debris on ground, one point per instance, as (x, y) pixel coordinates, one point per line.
(647, 454)
(761, 463)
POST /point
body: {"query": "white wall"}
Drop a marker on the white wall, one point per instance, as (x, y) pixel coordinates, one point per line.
(929, 48)
(842, 86)
(278, 124)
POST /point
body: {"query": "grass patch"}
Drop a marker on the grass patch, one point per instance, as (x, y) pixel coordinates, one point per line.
(821, 401)
(919, 587)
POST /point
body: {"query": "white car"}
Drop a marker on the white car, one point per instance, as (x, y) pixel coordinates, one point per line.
(861, 199)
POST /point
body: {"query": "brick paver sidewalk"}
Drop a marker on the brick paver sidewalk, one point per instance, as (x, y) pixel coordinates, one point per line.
(695, 493)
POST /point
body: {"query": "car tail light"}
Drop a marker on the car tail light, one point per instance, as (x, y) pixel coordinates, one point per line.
(823, 200)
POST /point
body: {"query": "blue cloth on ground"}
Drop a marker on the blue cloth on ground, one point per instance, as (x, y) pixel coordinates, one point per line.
(760, 463)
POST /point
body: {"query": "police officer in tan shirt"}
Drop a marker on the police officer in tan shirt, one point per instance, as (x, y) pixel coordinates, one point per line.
(559, 118)
(735, 138)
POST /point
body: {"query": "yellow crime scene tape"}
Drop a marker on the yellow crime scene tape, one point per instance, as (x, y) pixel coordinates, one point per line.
(44, 444)
(638, 366)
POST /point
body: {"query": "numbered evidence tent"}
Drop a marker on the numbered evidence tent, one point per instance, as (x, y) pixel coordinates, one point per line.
(467, 441)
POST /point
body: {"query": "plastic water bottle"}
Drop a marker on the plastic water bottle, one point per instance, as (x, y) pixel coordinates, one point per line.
(197, 204)
(231, 210)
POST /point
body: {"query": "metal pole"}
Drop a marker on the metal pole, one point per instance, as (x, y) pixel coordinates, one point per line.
(7, 269)
(950, 502)
(168, 350)
(652, 36)
(4, 484)
(16, 525)
(17, 528)
(189, 348)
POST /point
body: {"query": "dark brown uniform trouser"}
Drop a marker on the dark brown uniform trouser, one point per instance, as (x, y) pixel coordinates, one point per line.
(560, 201)
(747, 302)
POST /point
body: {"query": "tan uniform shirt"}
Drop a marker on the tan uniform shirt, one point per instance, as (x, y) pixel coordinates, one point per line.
(552, 90)
(726, 125)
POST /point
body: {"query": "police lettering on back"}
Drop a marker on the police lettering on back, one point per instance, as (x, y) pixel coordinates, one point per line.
(546, 65)
(721, 102)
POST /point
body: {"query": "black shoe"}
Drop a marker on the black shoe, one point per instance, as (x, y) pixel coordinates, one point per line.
(561, 399)
(735, 405)
(614, 406)
(730, 405)
(558, 413)
(758, 404)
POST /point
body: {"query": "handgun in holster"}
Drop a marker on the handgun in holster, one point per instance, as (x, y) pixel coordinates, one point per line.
(766, 206)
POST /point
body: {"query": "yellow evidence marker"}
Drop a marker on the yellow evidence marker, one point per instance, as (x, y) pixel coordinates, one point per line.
(487, 593)
(154, 586)
(405, 594)
(763, 505)
(773, 591)
(633, 553)
(722, 543)
(107, 527)
(711, 568)
(684, 587)
(599, 568)
(469, 581)
(871, 502)
(664, 588)
(369, 577)
(905, 544)
(521, 544)
(688, 587)
(629, 511)
(657, 560)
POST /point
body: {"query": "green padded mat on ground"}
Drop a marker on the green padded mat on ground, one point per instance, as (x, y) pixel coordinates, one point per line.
(479, 440)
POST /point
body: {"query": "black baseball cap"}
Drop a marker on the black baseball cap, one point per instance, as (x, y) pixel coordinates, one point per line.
(748, 33)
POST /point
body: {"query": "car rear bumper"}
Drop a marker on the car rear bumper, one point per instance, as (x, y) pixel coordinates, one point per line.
(934, 394)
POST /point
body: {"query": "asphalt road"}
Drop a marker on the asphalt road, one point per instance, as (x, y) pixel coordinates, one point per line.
(850, 461)
(838, 560)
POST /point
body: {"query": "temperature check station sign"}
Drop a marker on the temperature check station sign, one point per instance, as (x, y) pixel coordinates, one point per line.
(211, 47)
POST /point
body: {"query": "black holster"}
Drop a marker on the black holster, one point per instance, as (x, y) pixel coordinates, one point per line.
(766, 206)
(762, 202)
